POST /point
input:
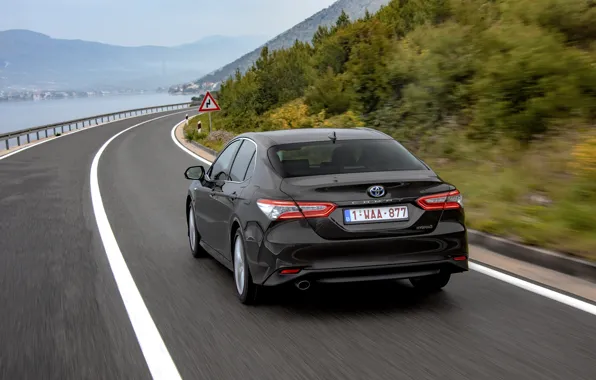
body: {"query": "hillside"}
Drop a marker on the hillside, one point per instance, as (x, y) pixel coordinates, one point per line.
(29, 59)
(498, 97)
(301, 32)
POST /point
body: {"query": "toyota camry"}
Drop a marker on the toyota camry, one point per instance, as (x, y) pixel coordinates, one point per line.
(316, 206)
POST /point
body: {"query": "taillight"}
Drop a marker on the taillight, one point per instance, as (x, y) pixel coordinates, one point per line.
(283, 210)
(442, 201)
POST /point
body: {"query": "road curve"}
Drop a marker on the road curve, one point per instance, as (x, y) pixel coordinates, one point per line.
(62, 316)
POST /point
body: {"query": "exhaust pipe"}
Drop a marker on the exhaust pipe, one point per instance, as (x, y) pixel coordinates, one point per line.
(303, 285)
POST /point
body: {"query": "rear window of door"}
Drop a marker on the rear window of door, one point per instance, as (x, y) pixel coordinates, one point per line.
(242, 161)
(221, 167)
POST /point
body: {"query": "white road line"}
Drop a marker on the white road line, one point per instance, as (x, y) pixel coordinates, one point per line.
(555, 296)
(156, 354)
(52, 138)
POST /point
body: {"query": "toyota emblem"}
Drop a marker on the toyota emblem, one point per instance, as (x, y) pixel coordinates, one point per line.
(376, 191)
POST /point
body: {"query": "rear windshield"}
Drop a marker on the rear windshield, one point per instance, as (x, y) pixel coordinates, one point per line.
(351, 156)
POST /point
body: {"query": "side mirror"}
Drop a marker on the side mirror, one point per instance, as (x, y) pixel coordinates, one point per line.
(195, 173)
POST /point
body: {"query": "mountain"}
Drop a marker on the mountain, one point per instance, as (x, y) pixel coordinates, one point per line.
(29, 59)
(302, 32)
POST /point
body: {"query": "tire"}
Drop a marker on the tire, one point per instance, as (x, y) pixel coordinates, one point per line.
(431, 283)
(246, 290)
(194, 238)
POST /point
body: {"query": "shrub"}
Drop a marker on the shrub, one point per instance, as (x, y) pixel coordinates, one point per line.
(220, 136)
(584, 159)
(291, 115)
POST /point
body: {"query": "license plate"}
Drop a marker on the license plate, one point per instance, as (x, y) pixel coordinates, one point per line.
(376, 214)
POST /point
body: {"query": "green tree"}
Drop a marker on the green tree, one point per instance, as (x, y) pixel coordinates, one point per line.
(320, 35)
(330, 93)
(367, 64)
(529, 79)
(342, 21)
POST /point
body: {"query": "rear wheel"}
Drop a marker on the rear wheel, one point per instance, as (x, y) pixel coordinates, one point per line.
(193, 235)
(431, 283)
(246, 289)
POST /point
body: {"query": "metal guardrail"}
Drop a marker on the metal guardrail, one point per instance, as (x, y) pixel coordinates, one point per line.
(53, 128)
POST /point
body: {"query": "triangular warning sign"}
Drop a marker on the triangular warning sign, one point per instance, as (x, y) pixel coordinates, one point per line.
(209, 104)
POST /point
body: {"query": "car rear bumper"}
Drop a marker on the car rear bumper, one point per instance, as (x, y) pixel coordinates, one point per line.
(298, 247)
(369, 273)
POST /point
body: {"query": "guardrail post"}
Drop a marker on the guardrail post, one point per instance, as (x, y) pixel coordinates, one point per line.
(38, 135)
(19, 140)
(6, 142)
(46, 133)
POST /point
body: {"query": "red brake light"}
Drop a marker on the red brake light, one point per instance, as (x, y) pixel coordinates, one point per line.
(283, 210)
(442, 201)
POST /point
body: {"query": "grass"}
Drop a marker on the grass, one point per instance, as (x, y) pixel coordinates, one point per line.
(527, 194)
(215, 141)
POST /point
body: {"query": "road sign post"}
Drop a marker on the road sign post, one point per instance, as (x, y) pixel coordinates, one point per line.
(209, 105)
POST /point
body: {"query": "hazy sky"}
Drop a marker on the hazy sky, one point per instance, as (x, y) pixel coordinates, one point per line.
(155, 22)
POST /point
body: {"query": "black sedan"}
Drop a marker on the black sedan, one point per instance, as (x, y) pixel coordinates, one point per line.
(319, 206)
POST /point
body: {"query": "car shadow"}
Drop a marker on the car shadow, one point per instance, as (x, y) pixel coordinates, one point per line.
(356, 298)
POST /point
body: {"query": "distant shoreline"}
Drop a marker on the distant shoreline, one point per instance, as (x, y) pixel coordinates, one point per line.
(35, 96)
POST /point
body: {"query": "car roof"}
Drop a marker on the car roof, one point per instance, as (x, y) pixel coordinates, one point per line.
(288, 136)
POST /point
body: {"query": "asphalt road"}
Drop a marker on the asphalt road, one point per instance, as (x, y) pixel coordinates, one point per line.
(62, 316)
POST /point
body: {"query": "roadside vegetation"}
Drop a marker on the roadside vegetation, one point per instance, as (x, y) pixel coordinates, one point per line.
(498, 96)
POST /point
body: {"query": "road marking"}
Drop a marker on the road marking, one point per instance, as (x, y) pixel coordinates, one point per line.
(555, 296)
(159, 361)
(173, 134)
(537, 289)
(54, 137)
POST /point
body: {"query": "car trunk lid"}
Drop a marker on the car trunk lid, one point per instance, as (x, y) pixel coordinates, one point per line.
(362, 215)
